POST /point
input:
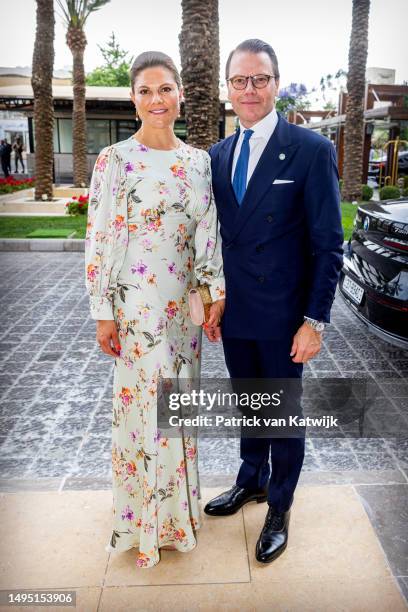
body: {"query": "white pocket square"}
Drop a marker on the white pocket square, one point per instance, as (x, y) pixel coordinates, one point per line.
(281, 181)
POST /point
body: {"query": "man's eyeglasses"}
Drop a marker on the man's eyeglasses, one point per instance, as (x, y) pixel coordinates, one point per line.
(259, 81)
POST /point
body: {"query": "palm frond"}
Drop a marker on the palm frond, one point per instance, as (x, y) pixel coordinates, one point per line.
(65, 15)
(76, 12)
(91, 6)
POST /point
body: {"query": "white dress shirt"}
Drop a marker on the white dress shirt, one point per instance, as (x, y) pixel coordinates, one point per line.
(263, 130)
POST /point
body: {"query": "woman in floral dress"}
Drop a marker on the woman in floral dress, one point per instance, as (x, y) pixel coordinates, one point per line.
(152, 234)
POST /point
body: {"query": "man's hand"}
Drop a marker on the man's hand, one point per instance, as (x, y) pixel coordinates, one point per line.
(212, 328)
(306, 344)
(107, 337)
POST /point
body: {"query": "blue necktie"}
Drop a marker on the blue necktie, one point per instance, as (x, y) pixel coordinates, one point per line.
(241, 169)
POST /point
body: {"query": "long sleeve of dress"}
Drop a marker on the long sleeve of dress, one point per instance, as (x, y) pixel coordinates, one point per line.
(208, 258)
(106, 233)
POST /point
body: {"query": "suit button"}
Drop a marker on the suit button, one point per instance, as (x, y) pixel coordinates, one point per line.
(261, 279)
(269, 218)
(259, 248)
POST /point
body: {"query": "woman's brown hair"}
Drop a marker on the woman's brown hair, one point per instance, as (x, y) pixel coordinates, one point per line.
(151, 59)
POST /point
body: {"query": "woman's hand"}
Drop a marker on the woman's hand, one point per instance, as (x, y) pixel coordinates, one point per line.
(212, 328)
(216, 311)
(107, 337)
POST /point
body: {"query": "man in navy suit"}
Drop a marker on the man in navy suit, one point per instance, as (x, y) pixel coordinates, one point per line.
(276, 189)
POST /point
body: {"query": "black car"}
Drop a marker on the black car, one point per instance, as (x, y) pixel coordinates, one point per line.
(374, 279)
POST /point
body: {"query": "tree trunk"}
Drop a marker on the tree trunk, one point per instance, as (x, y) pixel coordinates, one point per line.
(215, 46)
(197, 63)
(76, 41)
(354, 126)
(41, 81)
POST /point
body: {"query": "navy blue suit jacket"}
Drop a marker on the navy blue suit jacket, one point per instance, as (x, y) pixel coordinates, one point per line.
(282, 248)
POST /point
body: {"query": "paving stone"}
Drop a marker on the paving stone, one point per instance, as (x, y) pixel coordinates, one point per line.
(375, 461)
(332, 445)
(14, 467)
(7, 424)
(337, 461)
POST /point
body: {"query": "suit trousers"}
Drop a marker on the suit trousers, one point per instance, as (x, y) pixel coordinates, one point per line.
(267, 359)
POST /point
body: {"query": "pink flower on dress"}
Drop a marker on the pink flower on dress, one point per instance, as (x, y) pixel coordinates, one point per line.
(142, 559)
(131, 468)
(92, 272)
(119, 222)
(171, 309)
(178, 170)
(126, 396)
(100, 163)
(191, 452)
(182, 468)
(179, 534)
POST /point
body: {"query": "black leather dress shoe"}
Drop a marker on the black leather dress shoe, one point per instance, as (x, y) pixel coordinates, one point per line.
(274, 536)
(231, 501)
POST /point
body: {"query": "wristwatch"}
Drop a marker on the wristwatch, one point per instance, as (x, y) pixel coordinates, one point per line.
(316, 325)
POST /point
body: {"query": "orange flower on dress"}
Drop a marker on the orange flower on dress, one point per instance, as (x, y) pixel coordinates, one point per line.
(137, 350)
(92, 272)
(171, 309)
(178, 170)
(132, 227)
(126, 396)
(131, 468)
(179, 534)
(119, 222)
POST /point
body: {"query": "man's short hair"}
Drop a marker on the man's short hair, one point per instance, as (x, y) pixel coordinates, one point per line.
(254, 45)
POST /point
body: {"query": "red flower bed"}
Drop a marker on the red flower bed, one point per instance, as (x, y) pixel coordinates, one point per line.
(10, 184)
(78, 206)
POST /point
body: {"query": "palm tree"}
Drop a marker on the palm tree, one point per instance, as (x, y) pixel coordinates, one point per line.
(75, 13)
(199, 51)
(354, 127)
(215, 48)
(41, 81)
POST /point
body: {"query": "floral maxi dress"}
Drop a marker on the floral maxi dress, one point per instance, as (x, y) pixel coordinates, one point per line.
(152, 233)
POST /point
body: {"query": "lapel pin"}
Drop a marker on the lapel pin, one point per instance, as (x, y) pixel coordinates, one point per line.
(282, 156)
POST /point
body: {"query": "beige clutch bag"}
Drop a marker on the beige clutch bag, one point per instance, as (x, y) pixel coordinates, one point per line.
(199, 301)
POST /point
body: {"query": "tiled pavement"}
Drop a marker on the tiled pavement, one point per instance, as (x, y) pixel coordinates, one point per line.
(55, 388)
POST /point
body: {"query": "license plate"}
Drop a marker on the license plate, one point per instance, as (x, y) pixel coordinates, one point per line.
(353, 290)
